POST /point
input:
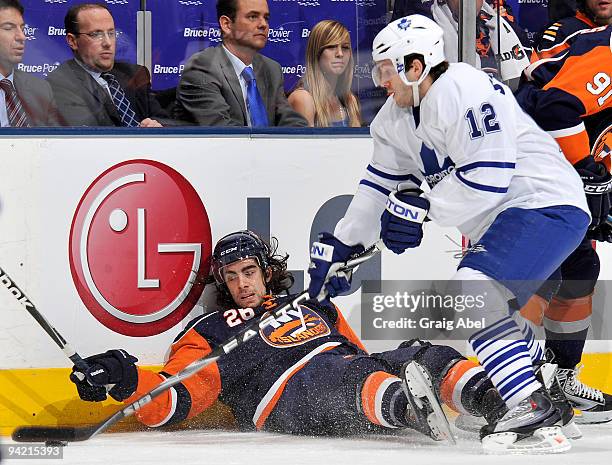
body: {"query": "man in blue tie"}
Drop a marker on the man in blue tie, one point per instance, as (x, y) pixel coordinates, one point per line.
(233, 84)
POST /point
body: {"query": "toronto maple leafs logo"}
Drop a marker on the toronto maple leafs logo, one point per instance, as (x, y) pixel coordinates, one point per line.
(404, 24)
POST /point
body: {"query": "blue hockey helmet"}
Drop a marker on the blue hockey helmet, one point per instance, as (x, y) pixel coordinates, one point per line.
(238, 246)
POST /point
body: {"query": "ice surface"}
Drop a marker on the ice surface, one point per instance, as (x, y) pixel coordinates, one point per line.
(227, 448)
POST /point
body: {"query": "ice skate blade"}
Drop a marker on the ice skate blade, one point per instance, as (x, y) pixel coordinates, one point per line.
(469, 423)
(420, 386)
(547, 440)
(591, 418)
(571, 430)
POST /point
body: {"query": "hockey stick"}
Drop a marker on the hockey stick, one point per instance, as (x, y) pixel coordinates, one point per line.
(73, 433)
(42, 321)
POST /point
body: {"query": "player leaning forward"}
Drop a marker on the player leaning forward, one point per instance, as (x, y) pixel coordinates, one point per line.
(307, 374)
(489, 171)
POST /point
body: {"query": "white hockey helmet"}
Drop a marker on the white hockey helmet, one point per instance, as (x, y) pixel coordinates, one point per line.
(414, 34)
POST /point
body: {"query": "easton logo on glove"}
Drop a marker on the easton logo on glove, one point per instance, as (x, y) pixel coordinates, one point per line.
(321, 251)
(404, 210)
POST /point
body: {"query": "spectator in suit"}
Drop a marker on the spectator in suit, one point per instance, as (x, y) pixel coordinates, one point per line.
(324, 95)
(233, 84)
(92, 89)
(25, 100)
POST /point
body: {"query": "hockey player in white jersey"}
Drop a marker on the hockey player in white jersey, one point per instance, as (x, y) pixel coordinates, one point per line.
(488, 170)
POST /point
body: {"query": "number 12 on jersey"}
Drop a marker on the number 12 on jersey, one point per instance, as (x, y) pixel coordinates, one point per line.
(482, 122)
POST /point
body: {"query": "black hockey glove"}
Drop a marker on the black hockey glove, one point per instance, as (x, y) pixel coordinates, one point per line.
(113, 372)
(603, 232)
(597, 185)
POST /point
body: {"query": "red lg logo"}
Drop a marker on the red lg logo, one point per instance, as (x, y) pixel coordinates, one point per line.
(140, 247)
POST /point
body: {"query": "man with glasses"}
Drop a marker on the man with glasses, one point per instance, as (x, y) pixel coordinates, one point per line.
(25, 100)
(94, 90)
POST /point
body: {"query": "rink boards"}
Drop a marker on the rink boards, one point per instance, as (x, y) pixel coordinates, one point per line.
(132, 239)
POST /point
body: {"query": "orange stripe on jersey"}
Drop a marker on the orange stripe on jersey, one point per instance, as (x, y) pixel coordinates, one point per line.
(575, 147)
(345, 329)
(451, 382)
(204, 387)
(570, 310)
(369, 393)
(534, 309)
(577, 76)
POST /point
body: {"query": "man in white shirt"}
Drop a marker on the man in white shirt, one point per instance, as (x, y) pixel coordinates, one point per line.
(233, 84)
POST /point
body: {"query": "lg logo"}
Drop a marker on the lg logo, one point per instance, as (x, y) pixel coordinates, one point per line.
(140, 245)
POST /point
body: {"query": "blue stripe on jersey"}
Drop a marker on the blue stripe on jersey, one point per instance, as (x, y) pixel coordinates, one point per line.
(377, 187)
(481, 187)
(486, 164)
(394, 177)
(183, 402)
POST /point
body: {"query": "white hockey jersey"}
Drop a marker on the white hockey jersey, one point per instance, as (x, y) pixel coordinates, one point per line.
(475, 149)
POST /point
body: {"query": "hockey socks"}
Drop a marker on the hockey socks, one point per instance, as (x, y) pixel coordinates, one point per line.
(383, 401)
(503, 353)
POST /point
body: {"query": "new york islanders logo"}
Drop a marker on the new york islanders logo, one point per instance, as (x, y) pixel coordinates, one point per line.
(602, 148)
(295, 328)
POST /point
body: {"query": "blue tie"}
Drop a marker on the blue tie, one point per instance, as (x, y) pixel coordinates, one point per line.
(121, 102)
(255, 105)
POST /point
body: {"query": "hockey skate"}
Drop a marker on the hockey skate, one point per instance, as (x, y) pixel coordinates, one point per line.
(547, 375)
(595, 406)
(424, 412)
(528, 428)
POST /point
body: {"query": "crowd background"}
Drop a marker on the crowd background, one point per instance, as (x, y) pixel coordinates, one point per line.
(163, 34)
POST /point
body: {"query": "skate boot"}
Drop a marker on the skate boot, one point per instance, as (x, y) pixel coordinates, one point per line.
(595, 406)
(529, 427)
(546, 373)
(491, 408)
(424, 412)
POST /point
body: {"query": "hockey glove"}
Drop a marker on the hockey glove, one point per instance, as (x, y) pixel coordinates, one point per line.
(113, 370)
(326, 257)
(603, 232)
(597, 186)
(401, 224)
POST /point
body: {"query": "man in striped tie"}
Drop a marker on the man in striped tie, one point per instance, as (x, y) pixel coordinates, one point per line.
(93, 89)
(25, 100)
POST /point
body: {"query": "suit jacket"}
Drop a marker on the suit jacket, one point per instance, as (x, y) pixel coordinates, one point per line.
(83, 102)
(37, 99)
(209, 93)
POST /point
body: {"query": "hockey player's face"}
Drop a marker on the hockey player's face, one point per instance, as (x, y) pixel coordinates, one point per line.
(246, 282)
(386, 75)
(602, 10)
(12, 39)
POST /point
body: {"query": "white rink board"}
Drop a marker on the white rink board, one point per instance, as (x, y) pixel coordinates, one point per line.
(42, 181)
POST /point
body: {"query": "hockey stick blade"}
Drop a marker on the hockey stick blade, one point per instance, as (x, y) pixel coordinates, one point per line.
(53, 433)
(72, 434)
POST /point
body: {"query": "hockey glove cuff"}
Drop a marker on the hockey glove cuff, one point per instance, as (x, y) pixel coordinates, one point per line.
(326, 257)
(401, 224)
(597, 186)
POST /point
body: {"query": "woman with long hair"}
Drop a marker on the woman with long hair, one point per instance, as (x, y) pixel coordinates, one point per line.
(323, 96)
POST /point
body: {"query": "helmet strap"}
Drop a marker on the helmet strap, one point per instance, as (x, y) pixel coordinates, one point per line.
(416, 100)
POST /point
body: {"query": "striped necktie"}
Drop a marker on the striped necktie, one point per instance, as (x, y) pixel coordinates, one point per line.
(16, 114)
(121, 102)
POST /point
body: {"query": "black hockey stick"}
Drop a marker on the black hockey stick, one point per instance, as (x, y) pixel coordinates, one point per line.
(42, 321)
(74, 433)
